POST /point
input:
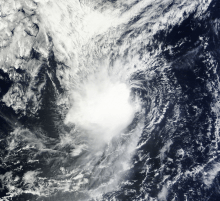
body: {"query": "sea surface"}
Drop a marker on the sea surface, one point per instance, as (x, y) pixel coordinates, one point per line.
(109, 100)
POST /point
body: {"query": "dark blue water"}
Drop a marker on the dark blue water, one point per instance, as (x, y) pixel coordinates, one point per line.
(177, 156)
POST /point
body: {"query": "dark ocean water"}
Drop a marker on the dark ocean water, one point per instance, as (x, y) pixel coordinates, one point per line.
(167, 52)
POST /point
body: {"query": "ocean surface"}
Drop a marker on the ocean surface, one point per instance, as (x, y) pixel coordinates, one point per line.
(109, 100)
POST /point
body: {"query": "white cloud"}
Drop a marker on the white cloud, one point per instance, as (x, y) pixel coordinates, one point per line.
(101, 107)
